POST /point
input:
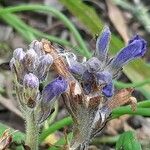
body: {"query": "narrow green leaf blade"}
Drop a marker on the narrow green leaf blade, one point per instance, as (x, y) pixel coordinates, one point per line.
(85, 14)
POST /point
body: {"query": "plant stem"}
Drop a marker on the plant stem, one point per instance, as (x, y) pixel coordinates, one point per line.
(32, 131)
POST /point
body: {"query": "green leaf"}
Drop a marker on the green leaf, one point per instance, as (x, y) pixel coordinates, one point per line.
(85, 14)
(17, 136)
(127, 141)
(137, 70)
(55, 126)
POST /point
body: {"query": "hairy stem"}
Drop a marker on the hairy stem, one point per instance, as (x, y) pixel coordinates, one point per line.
(32, 131)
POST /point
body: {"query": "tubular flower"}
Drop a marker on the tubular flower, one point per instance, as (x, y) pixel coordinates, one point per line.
(136, 48)
(54, 88)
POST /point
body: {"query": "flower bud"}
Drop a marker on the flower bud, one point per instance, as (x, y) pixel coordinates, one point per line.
(18, 54)
(49, 94)
(30, 81)
(38, 47)
(45, 62)
(76, 68)
(30, 61)
(31, 89)
(103, 77)
(11, 64)
(18, 69)
(108, 90)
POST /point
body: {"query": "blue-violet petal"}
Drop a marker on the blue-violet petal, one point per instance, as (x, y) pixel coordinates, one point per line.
(54, 88)
(103, 77)
(93, 64)
(87, 76)
(108, 90)
(102, 43)
(77, 68)
(136, 48)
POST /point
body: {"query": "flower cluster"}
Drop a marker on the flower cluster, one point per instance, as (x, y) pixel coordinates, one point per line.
(91, 107)
(100, 69)
(30, 69)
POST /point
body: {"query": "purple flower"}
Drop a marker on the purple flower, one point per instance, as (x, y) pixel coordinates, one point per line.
(51, 91)
(100, 70)
(136, 48)
(54, 88)
(77, 68)
(93, 64)
(104, 77)
(102, 43)
(87, 76)
(108, 90)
